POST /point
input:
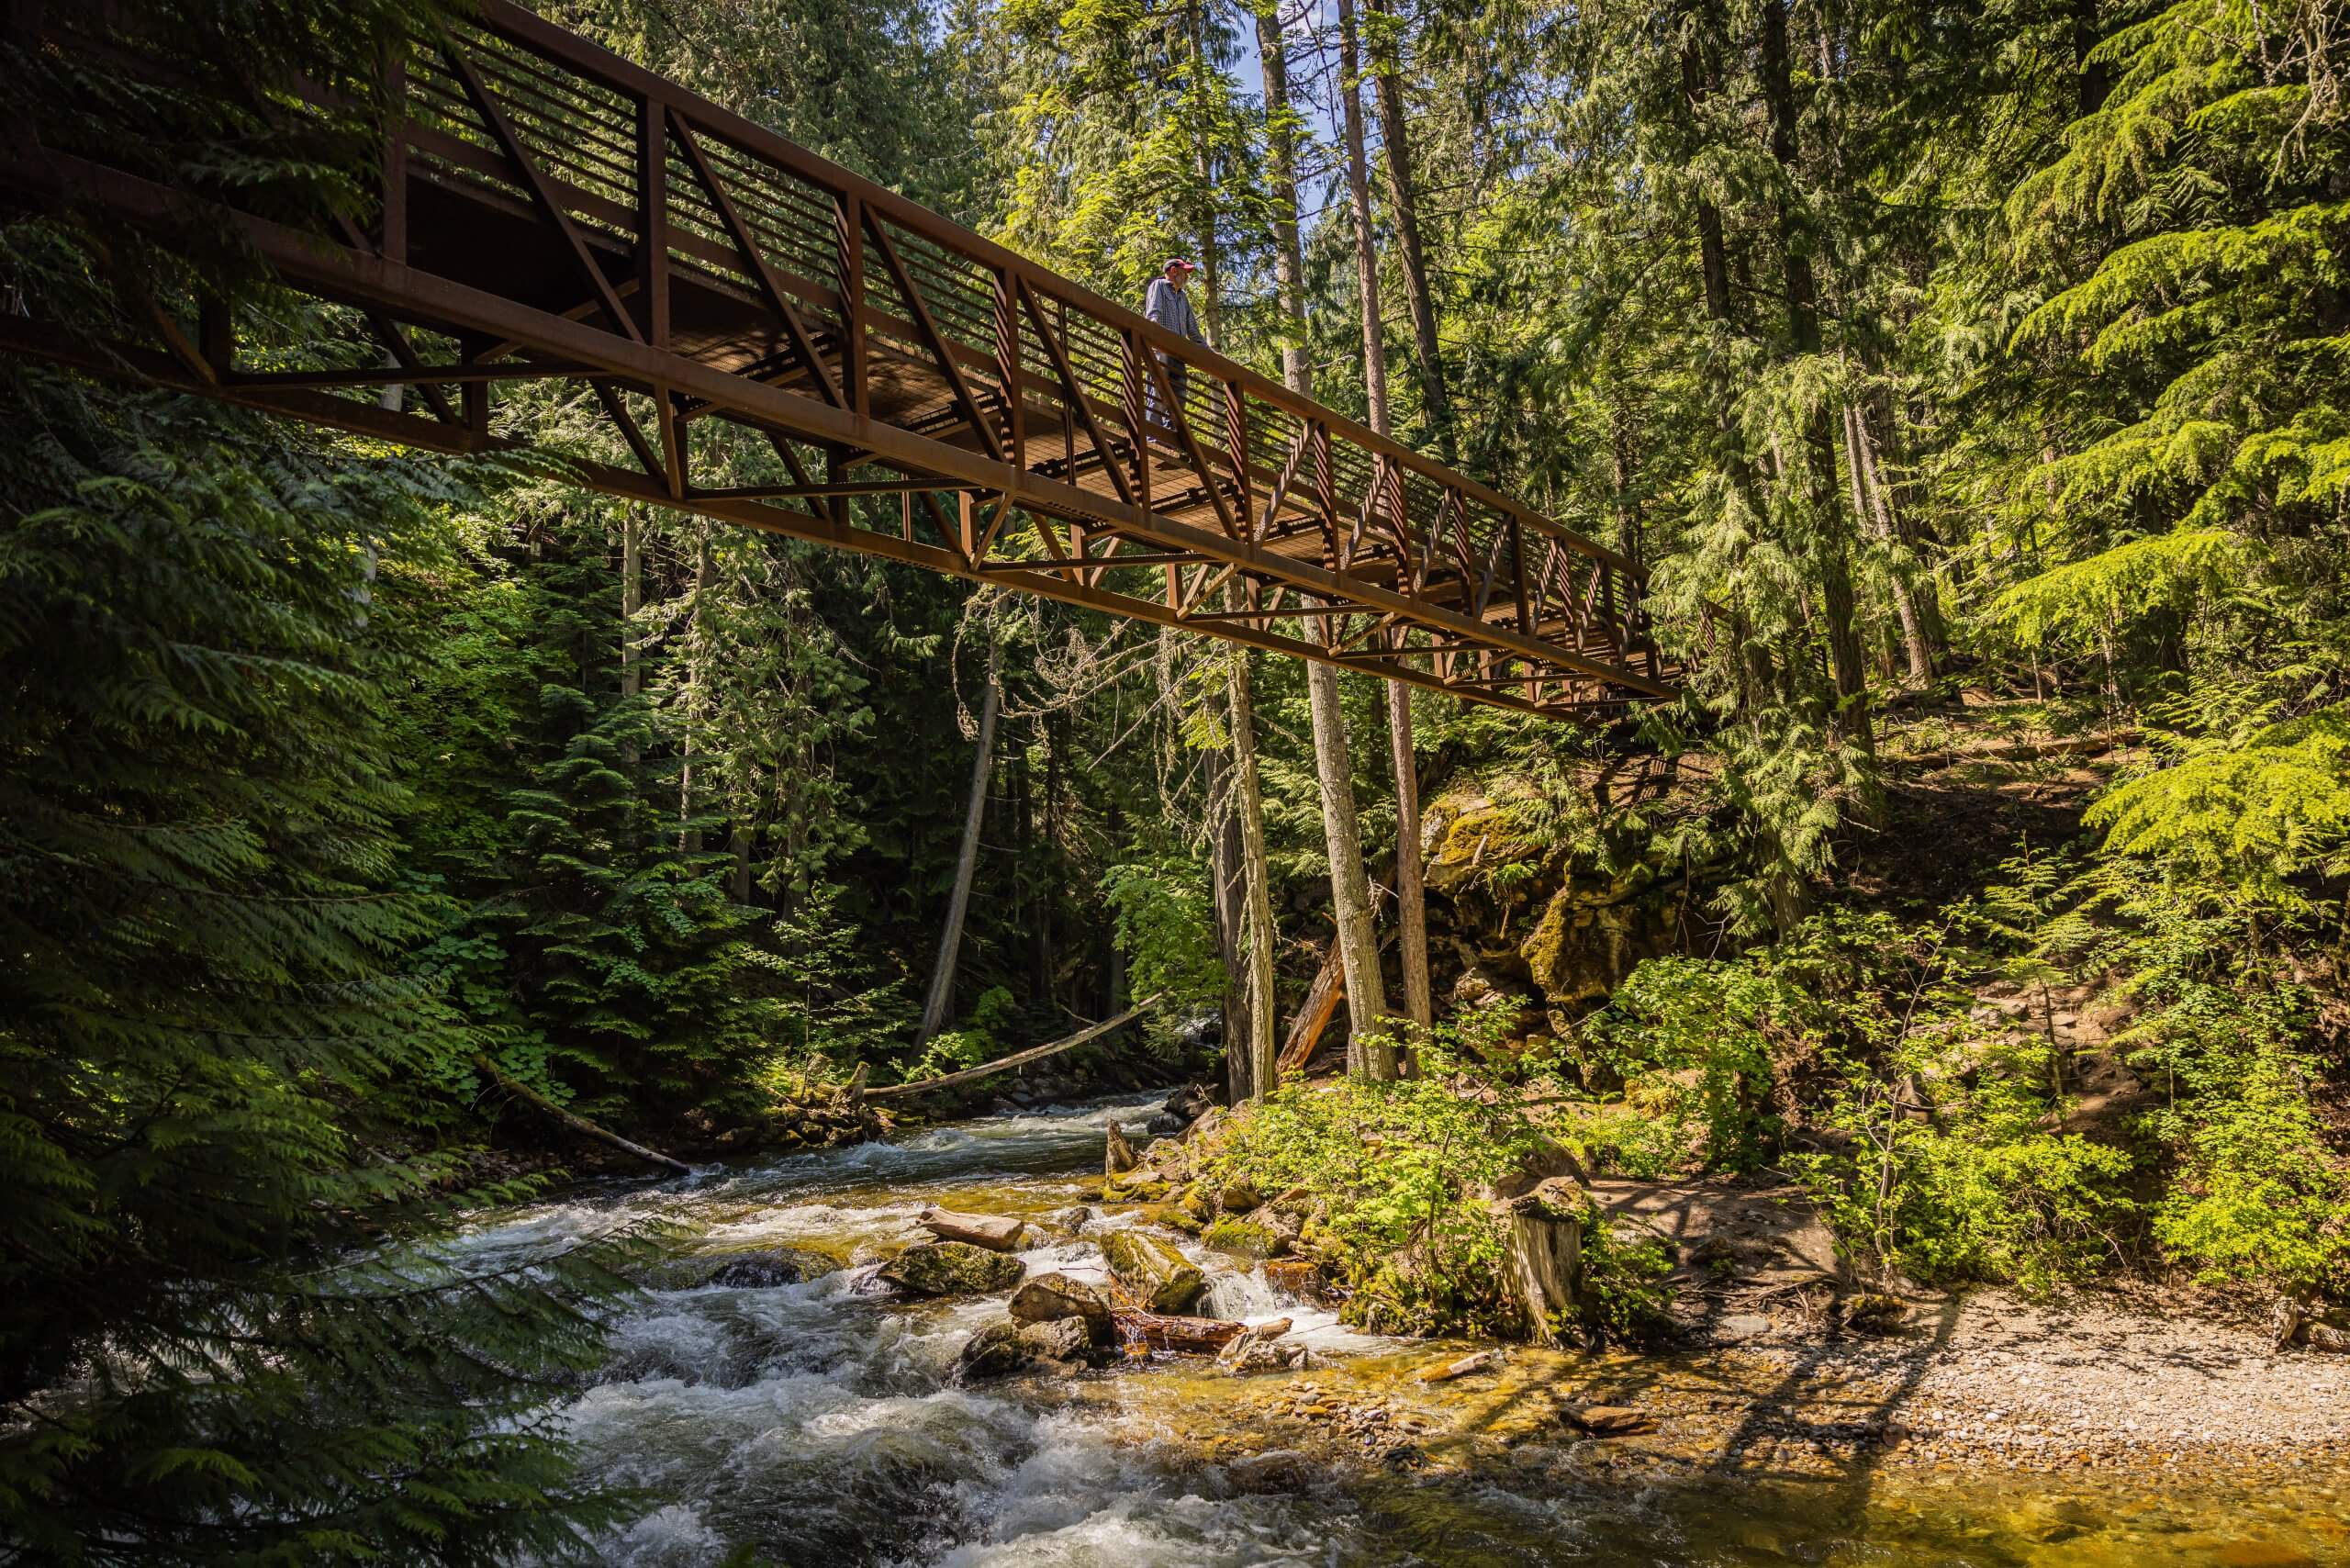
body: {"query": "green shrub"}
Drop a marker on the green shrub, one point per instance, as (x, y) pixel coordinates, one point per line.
(1623, 1294)
(1691, 1038)
(1623, 1139)
(2259, 1196)
(1165, 929)
(1970, 1184)
(1395, 1170)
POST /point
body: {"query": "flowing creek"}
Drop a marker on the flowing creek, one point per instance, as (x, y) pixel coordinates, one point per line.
(814, 1424)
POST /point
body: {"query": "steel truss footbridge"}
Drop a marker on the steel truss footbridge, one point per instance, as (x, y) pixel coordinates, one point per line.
(550, 212)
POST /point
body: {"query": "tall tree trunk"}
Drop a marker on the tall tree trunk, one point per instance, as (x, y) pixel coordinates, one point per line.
(631, 596)
(1880, 430)
(1411, 910)
(1802, 295)
(941, 976)
(2096, 77)
(1349, 886)
(1229, 877)
(1404, 201)
(689, 837)
(1870, 504)
(1281, 162)
(1374, 337)
(1411, 895)
(1032, 887)
(1759, 677)
(1256, 878)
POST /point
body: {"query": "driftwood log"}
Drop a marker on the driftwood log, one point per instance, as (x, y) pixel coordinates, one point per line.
(1236, 1348)
(1445, 1372)
(997, 1233)
(2289, 1321)
(1169, 1331)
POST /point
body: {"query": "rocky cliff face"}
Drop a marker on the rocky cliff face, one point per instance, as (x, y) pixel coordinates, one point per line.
(1535, 899)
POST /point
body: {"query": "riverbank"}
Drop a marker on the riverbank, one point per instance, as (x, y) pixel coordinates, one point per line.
(1988, 1382)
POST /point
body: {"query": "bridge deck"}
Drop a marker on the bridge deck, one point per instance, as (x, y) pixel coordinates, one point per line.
(550, 211)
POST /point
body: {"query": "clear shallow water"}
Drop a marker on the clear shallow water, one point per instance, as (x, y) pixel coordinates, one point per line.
(813, 1425)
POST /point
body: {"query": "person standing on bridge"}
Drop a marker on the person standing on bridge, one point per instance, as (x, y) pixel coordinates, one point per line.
(1165, 304)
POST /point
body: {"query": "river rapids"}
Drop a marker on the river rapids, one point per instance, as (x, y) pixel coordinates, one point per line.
(814, 1424)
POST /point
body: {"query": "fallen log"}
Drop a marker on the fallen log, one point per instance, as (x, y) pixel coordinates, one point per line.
(1236, 1348)
(997, 1233)
(1017, 1059)
(1321, 1004)
(575, 1122)
(1263, 1349)
(1170, 1332)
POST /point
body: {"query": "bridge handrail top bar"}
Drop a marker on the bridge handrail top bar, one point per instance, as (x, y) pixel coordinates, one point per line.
(562, 46)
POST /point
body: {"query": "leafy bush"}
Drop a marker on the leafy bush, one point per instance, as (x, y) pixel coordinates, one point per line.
(1693, 1037)
(952, 1050)
(1623, 1294)
(1395, 1170)
(2259, 1196)
(1165, 928)
(1946, 1171)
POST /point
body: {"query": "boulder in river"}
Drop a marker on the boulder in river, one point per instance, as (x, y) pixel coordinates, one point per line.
(1055, 1298)
(1159, 1277)
(751, 1270)
(773, 1266)
(952, 1268)
(1612, 1420)
(1189, 1102)
(1071, 1220)
(1003, 1348)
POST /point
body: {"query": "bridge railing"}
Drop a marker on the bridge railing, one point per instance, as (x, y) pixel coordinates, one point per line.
(1039, 372)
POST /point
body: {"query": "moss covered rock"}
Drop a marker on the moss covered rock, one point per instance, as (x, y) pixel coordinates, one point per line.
(1242, 1239)
(952, 1268)
(1137, 1187)
(1156, 1274)
(1593, 933)
(753, 1269)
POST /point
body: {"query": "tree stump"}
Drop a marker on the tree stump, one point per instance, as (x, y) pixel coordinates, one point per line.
(1544, 1266)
